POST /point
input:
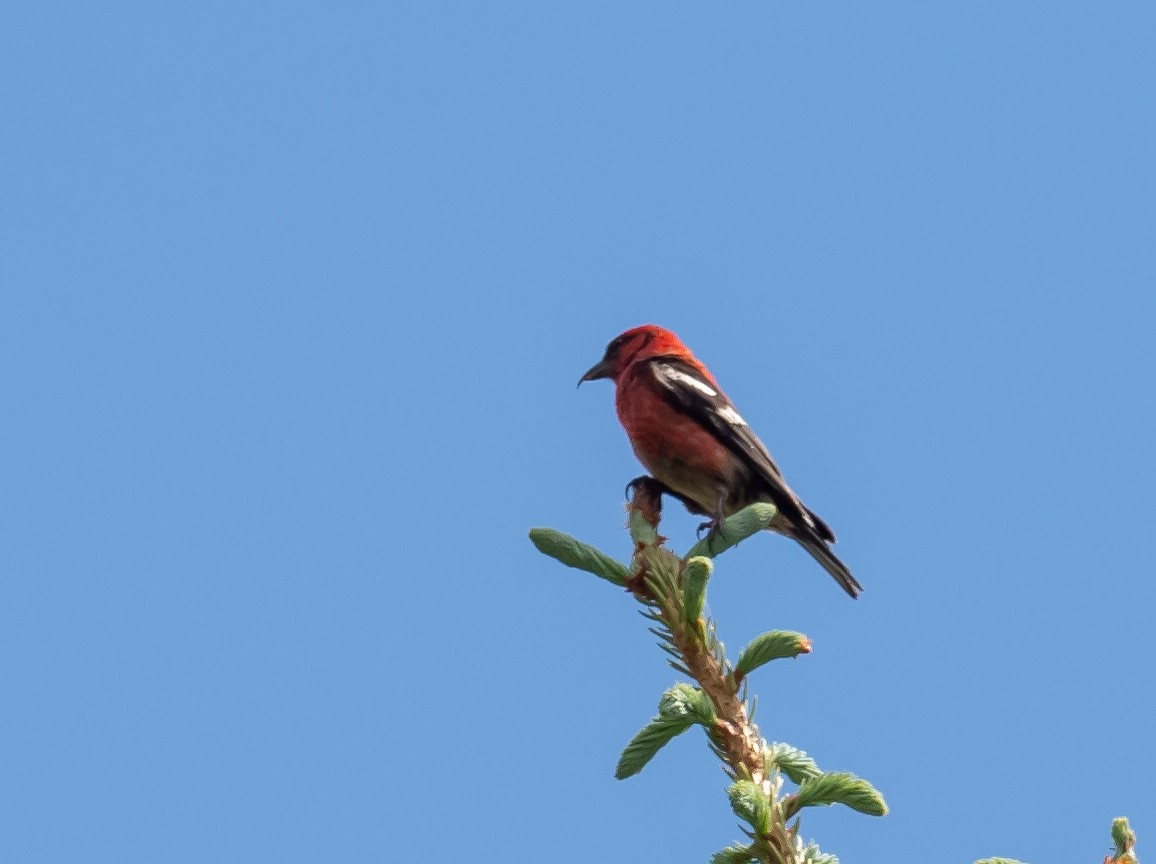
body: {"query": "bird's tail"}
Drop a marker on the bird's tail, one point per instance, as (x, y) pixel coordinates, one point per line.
(822, 553)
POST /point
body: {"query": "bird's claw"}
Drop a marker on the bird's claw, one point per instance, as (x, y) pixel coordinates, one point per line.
(645, 496)
(633, 485)
(713, 528)
(648, 484)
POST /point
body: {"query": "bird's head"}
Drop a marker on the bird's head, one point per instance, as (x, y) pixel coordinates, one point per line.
(649, 340)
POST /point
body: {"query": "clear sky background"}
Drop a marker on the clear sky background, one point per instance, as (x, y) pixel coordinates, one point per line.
(294, 301)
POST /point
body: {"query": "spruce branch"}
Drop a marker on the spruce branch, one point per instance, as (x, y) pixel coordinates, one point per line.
(1124, 839)
(672, 591)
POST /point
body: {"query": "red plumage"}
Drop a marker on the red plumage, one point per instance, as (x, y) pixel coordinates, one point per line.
(693, 441)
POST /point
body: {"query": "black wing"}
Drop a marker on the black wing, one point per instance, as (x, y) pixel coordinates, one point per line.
(688, 391)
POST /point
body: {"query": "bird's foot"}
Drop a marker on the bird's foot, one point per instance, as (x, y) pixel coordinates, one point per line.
(648, 485)
(711, 528)
(714, 526)
(633, 485)
(645, 495)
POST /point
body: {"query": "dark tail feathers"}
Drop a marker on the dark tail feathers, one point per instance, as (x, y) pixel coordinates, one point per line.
(822, 553)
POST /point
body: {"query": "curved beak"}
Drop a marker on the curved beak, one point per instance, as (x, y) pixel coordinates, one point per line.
(602, 369)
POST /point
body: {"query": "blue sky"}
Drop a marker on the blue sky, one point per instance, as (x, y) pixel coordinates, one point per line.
(295, 298)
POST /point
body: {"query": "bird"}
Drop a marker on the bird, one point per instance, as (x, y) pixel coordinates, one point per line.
(690, 437)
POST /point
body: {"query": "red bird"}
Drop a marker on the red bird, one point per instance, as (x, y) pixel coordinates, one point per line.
(688, 435)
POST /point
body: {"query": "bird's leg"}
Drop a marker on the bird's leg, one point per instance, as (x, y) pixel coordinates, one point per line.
(714, 526)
